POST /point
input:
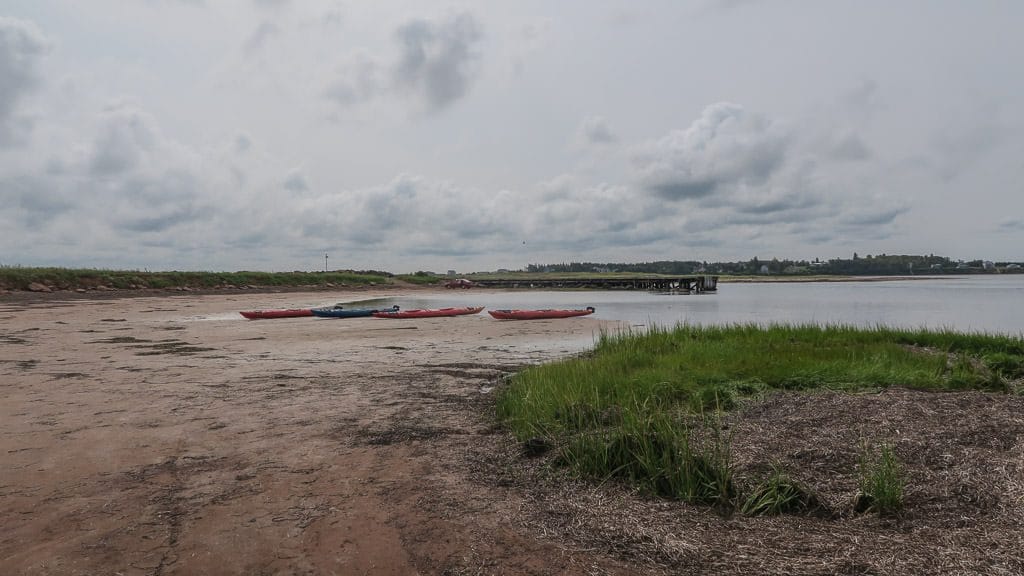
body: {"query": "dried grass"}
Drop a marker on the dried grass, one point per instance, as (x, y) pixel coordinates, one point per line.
(963, 456)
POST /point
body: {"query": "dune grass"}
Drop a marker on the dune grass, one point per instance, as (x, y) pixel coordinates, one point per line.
(881, 481)
(779, 494)
(644, 406)
(421, 279)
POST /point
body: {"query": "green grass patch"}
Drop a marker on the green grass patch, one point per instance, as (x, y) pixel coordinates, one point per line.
(881, 481)
(665, 456)
(779, 494)
(633, 408)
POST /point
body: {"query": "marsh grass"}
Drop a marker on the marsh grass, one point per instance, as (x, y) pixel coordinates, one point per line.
(637, 407)
(664, 456)
(881, 481)
(779, 494)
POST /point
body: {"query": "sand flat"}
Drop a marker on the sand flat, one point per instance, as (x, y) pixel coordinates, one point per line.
(160, 435)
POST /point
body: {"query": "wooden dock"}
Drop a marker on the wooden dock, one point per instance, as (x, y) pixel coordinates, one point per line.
(664, 284)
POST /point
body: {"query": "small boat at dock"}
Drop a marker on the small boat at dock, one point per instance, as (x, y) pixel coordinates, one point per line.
(429, 312)
(539, 314)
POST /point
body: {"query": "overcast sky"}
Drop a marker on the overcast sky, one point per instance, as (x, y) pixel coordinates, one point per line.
(404, 136)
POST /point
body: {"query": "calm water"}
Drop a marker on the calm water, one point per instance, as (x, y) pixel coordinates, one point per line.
(972, 303)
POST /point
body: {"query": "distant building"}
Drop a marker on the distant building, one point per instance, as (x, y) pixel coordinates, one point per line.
(452, 272)
(1013, 266)
(988, 265)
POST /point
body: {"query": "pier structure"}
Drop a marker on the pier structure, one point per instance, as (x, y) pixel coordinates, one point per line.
(668, 284)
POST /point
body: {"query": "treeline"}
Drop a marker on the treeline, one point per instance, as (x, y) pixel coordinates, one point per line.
(877, 265)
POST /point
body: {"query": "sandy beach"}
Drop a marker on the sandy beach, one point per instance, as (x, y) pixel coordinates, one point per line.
(159, 435)
(165, 434)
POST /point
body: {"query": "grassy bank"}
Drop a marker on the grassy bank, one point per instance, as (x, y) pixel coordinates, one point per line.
(18, 278)
(647, 407)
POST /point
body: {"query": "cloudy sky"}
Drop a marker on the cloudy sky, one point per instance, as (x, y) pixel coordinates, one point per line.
(404, 136)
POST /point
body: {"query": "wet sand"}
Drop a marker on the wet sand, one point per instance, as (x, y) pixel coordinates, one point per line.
(168, 435)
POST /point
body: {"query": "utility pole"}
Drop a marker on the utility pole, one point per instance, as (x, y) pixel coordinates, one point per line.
(325, 261)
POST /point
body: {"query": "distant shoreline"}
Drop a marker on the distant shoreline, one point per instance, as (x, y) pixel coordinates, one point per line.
(770, 279)
(93, 293)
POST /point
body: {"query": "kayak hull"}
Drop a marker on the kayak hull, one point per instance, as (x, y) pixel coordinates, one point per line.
(538, 314)
(340, 312)
(268, 314)
(429, 313)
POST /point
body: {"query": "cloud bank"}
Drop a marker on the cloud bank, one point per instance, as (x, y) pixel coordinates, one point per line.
(485, 139)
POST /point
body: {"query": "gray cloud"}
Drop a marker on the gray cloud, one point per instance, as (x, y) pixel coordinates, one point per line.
(848, 146)
(782, 204)
(295, 182)
(333, 17)
(243, 143)
(680, 186)
(408, 215)
(595, 130)
(870, 216)
(728, 4)
(961, 146)
(723, 148)
(258, 40)
(357, 81)
(434, 66)
(749, 179)
(31, 201)
(132, 190)
(126, 136)
(271, 3)
(22, 46)
(436, 60)
(154, 205)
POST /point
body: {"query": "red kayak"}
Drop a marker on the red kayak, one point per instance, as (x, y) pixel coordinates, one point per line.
(428, 313)
(289, 313)
(538, 314)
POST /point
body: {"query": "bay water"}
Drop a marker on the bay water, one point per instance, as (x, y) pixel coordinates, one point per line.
(989, 304)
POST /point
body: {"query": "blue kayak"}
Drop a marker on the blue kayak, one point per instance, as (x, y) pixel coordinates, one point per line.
(342, 312)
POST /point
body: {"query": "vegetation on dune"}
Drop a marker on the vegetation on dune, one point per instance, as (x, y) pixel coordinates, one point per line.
(421, 278)
(779, 494)
(881, 481)
(646, 407)
(19, 278)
